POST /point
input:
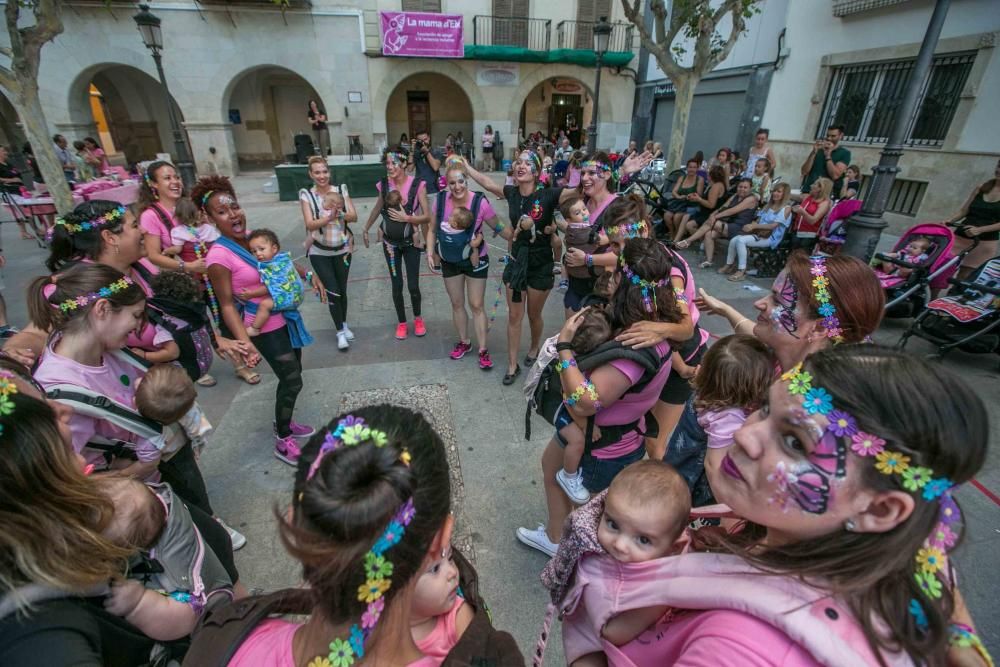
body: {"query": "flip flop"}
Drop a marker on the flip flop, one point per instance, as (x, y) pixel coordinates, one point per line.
(206, 380)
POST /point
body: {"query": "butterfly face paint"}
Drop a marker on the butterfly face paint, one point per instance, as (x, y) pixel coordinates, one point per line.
(784, 313)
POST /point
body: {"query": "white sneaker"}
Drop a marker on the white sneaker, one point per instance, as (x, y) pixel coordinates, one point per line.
(342, 343)
(573, 486)
(238, 539)
(537, 539)
(347, 332)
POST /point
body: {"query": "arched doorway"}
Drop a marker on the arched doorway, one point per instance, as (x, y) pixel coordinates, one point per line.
(558, 103)
(126, 106)
(428, 102)
(267, 106)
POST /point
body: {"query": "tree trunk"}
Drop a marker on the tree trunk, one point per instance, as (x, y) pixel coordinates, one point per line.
(683, 97)
(29, 108)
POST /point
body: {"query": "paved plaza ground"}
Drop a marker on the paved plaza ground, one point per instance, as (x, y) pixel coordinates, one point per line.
(497, 473)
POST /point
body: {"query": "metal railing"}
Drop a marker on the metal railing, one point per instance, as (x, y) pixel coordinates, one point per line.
(533, 34)
(580, 35)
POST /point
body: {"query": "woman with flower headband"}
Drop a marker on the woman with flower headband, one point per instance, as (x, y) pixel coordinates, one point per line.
(847, 477)
(159, 191)
(617, 394)
(55, 562)
(232, 270)
(399, 235)
(531, 208)
(369, 514)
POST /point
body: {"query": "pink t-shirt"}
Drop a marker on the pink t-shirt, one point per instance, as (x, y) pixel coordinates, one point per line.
(682, 270)
(244, 276)
(720, 425)
(573, 177)
(632, 406)
(270, 644)
(115, 379)
(405, 190)
(438, 644)
(486, 212)
(151, 223)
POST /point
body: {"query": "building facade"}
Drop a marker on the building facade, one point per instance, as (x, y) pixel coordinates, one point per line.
(241, 73)
(813, 63)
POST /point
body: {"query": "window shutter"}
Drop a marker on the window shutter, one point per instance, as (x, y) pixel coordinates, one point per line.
(422, 6)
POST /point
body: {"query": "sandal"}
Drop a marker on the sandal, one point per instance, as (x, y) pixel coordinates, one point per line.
(738, 276)
(727, 269)
(705, 265)
(683, 245)
(248, 375)
(206, 380)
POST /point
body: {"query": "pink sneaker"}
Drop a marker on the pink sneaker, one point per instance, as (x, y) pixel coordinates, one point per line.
(485, 363)
(418, 326)
(287, 450)
(301, 430)
(460, 350)
(401, 331)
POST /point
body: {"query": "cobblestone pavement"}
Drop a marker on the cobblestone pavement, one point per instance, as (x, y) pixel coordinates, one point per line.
(495, 470)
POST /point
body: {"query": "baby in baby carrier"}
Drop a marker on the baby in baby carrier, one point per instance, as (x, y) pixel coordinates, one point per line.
(167, 395)
(175, 575)
(579, 234)
(282, 290)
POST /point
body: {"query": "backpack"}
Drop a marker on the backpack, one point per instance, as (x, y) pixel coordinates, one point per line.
(222, 629)
(399, 233)
(546, 396)
(455, 248)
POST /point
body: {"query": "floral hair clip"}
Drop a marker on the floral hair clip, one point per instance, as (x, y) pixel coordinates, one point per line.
(85, 300)
(73, 228)
(648, 286)
(931, 557)
(826, 308)
(378, 568)
(397, 158)
(629, 231)
(594, 164)
(7, 389)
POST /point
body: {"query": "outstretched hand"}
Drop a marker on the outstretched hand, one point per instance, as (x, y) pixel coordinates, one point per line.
(634, 163)
(709, 304)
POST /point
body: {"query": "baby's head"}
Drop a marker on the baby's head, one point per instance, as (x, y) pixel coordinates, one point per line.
(165, 394)
(394, 200)
(762, 166)
(461, 218)
(333, 201)
(574, 210)
(645, 511)
(594, 330)
(918, 245)
(175, 286)
(852, 173)
(186, 213)
(436, 588)
(139, 515)
(264, 244)
(736, 372)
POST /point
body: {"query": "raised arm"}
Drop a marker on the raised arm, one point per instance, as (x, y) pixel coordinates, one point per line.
(485, 182)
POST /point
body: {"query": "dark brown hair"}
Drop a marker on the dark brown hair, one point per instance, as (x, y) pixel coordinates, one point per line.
(624, 210)
(267, 234)
(186, 213)
(165, 393)
(568, 205)
(340, 512)
(176, 286)
(594, 330)
(854, 291)
(652, 481)
(717, 174)
(735, 373)
(648, 260)
(393, 199)
(78, 281)
(922, 410)
(147, 197)
(207, 186)
(461, 217)
(67, 248)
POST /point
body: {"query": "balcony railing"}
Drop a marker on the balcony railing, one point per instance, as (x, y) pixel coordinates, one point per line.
(532, 34)
(580, 35)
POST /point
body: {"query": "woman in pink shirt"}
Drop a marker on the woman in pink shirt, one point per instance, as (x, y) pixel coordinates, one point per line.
(158, 195)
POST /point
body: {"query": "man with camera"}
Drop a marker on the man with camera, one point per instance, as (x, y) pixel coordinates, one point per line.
(827, 159)
(426, 159)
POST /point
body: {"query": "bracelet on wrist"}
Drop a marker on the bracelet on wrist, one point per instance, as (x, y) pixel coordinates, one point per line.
(589, 259)
(586, 387)
(564, 347)
(180, 265)
(564, 364)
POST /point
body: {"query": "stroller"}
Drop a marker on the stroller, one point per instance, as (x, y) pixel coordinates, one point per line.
(655, 187)
(906, 295)
(968, 318)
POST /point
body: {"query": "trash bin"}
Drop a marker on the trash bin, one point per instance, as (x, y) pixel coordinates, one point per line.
(304, 148)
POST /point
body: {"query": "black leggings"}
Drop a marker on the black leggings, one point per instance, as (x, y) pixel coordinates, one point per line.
(286, 362)
(184, 476)
(332, 272)
(408, 258)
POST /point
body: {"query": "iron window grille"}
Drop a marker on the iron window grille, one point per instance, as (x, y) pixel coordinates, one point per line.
(865, 99)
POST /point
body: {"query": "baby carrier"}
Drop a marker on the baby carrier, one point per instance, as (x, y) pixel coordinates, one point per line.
(968, 318)
(454, 248)
(906, 295)
(585, 239)
(399, 233)
(544, 393)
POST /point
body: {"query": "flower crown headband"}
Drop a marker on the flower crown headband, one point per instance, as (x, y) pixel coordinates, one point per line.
(398, 158)
(7, 389)
(826, 308)
(930, 558)
(629, 231)
(352, 431)
(85, 300)
(73, 228)
(648, 286)
(594, 164)
(532, 157)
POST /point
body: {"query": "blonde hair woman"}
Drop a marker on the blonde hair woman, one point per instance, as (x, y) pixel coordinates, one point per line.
(811, 212)
(766, 231)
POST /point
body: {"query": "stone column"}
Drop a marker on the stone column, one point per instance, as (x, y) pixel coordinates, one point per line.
(213, 148)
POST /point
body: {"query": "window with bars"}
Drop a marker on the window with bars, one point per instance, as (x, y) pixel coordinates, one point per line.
(422, 6)
(905, 197)
(865, 99)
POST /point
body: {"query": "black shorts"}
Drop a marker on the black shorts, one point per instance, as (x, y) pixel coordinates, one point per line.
(451, 269)
(677, 390)
(487, 150)
(540, 266)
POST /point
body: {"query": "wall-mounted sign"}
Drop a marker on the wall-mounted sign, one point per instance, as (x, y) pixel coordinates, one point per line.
(234, 116)
(498, 74)
(567, 86)
(422, 35)
(354, 96)
(663, 89)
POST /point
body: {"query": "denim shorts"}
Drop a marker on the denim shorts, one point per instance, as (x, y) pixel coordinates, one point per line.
(561, 421)
(686, 453)
(598, 473)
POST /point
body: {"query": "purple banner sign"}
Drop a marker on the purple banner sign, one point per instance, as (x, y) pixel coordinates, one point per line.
(422, 35)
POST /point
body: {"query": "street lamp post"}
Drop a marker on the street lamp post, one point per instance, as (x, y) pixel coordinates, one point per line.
(149, 27)
(866, 227)
(602, 35)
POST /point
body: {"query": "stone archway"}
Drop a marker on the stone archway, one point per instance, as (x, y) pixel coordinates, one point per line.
(544, 77)
(429, 102)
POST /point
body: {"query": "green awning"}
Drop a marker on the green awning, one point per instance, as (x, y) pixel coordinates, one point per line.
(582, 57)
